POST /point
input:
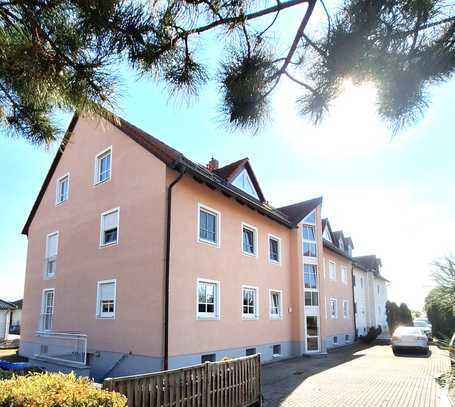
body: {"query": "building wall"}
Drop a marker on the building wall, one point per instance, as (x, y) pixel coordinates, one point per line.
(4, 323)
(380, 301)
(360, 297)
(137, 186)
(340, 291)
(190, 259)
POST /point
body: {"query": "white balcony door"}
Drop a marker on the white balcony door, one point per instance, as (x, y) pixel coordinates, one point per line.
(47, 312)
(312, 340)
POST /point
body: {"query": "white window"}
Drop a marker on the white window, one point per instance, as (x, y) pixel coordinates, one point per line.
(310, 276)
(47, 310)
(274, 249)
(333, 308)
(50, 259)
(309, 240)
(249, 240)
(208, 299)
(276, 304)
(332, 270)
(243, 181)
(345, 309)
(105, 299)
(63, 188)
(103, 166)
(208, 225)
(250, 302)
(344, 274)
(109, 227)
(361, 282)
(326, 234)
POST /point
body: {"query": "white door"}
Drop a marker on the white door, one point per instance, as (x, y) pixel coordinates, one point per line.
(48, 310)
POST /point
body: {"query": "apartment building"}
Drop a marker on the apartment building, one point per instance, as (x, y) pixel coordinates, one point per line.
(370, 293)
(140, 259)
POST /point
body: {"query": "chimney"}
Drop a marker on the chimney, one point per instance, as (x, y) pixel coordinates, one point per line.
(213, 165)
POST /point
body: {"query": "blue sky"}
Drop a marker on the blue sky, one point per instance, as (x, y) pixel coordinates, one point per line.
(394, 196)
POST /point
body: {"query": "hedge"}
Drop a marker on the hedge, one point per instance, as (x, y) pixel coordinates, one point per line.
(55, 390)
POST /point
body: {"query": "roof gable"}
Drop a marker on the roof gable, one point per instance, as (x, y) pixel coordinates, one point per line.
(241, 175)
(296, 212)
(327, 230)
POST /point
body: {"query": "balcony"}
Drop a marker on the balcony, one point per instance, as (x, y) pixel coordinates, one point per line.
(66, 347)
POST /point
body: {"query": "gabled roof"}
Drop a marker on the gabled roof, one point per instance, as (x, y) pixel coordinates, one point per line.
(177, 161)
(18, 303)
(296, 212)
(229, 173)
(348, 241)
(326, 225)
(336, 249)
(7, 306)
(370, 262)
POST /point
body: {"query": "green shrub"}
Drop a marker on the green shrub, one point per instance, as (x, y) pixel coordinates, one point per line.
(55, 390)
(371, 335)
(8, 374)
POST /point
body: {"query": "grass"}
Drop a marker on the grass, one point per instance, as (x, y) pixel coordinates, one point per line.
(11, 355)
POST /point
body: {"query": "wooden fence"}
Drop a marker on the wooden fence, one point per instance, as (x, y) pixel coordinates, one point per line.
(230, 383)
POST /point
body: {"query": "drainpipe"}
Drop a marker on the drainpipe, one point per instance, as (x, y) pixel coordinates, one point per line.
(181, 170)
(353, 301)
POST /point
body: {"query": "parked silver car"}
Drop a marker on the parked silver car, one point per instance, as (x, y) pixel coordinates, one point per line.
(425, 326)
(409, 338)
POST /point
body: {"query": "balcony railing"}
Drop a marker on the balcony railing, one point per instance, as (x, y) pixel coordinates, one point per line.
(69, 347)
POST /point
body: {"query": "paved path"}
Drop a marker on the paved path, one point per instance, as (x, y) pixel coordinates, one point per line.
(356, 377)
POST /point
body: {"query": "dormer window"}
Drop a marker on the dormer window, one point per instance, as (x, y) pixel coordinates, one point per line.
(243, 182)
(340, 244)
(349, 249)
(326, 235)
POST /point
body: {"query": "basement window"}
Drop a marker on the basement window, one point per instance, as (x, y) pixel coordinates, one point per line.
(209, 357)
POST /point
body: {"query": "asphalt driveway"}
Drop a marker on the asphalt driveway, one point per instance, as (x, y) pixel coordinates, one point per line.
(356, 377)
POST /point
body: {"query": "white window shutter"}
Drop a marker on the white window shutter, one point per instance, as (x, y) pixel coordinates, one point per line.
(107, 291)
(52, 245)
(110, 220)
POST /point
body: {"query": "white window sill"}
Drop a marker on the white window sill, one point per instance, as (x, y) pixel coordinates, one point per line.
(276, 318)
(250, 318)
(102, 246)
(276, 263)
(61, 202)
(249, 254)
(208, 242)
(49, 277)
(208, 317)
(112, 317)
(275, 356)
(101, 182)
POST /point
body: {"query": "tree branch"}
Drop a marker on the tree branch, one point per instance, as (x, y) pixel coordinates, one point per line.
(246, 17)
(305, 85)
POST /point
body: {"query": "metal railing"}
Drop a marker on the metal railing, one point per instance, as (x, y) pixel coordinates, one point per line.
(69, 347)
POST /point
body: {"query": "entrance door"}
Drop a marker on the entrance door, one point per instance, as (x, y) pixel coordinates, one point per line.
(312, 334)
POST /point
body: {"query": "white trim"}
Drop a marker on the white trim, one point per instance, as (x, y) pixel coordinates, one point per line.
(346, 316)
(95, 177)
(46, 257)
(99, 314)
(278, 239)
(218, 225)
(344, 274)
(117, 209)
(330, 308)
(204, 315)
(255, 231)
(43, 292)
(334, 277)
(280, 314)
(256, 305)
(57, 189)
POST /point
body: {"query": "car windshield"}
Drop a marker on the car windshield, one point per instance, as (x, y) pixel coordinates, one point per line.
(408, 330)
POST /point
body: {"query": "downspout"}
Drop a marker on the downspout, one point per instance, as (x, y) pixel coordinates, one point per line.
(181, 171)
(354, 306)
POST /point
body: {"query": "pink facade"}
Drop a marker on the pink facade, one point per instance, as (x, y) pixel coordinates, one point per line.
(261, 299)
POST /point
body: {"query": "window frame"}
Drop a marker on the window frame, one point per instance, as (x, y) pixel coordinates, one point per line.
(334, 301)
(334, 276)
(345, 310)
(276, 317)
(278, 240)
(255, 231)
(98, 157)
(43, 306)
(216, 315)
(117, 241)
(344, 274)
(99, 312)
(254, 316)
(207, 209)
(47, 257)
(57, 189)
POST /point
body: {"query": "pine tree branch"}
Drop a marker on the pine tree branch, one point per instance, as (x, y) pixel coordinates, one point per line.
(305, 85)
(246, 17)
